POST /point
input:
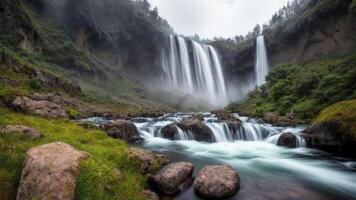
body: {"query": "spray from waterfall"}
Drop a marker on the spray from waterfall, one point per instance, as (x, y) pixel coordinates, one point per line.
(194, 69)
(261, 68)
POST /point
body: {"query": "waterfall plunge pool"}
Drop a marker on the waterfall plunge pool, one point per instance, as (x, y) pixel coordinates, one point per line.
(267, 171)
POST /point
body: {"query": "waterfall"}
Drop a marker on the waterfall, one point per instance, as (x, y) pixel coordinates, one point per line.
(261, 68)
(194, 69)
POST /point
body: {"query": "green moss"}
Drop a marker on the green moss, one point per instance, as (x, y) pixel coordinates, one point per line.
(343, 113)
(97, 178)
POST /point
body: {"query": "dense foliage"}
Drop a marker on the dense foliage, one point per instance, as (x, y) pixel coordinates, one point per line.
(303, 89)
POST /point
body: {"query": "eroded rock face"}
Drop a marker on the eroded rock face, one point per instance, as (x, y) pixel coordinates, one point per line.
(217, 182)
(199, 130)
(50, 172)
(44, 108)
(287, 140)
(171, 179)
(149, 161)
(24, 130)
(123, 130)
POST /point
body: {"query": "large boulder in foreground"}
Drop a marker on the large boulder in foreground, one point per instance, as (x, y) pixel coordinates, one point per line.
(123, 130)
(172, 178)
(25, 131)
(148, 160)
(44, 108)
(199, 130)
(217, 182)
(287, 140)
(50, 172)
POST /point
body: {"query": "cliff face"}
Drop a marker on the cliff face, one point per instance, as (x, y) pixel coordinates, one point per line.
(325, 30)
(330, 36)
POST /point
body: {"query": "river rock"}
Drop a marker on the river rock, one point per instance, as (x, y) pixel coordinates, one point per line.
(123, 130)
(150, 195)
(287, 140)
(24, 130)
(217, 182)
(149, 161)
(50, 172)
(44, 108)
(327, 135)
(173, 177)
(170, 132)
(199, 130)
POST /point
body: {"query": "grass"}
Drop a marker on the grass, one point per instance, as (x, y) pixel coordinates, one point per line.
(97, 178)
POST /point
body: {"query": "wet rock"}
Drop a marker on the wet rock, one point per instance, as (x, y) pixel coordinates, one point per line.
(150, 195)
(217, 182)
(123, 130)
(50, 172)
(199, 130)
(173, 177)
(170, 132)
(326, 135)
(149, 161)
(24, 130)
(287, 140)
(44, 108)
(233, 122)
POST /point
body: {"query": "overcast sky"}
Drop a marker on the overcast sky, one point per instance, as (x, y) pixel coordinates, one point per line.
(221, 18)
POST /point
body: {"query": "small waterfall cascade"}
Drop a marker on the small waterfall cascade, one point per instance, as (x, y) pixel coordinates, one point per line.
(249, 130)
(261, 68)
(194, 69)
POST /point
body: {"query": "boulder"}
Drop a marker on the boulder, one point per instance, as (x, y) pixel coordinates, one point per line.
(44, 108)
(150, 195)
(326, 135)
(27, 132)
(123, 130)
(148, 160)
(170, 131)
(287, 140)
(216, 182)
(199, 130)
(173, 177)
(50, 172)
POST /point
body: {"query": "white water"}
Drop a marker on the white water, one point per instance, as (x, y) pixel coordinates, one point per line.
(198, 73)
(267, 171)
(261, 68)
(250, 130)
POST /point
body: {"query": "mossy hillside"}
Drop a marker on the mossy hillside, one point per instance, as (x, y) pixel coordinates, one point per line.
(97, 179)
(344, 113)
(303, 88)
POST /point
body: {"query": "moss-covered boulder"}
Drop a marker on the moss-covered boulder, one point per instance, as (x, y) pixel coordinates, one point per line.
(334, 128)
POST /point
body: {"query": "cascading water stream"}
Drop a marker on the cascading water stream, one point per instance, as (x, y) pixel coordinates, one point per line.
(249, 130)
(261, 68)
(194, 69)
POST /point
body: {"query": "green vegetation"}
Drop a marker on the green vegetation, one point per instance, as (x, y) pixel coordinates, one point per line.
(303, 88)
(343, 113)
(98, 178)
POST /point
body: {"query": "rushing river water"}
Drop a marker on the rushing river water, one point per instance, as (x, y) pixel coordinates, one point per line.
(267, 171)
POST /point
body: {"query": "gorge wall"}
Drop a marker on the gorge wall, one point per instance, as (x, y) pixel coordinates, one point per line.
(318, 33)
